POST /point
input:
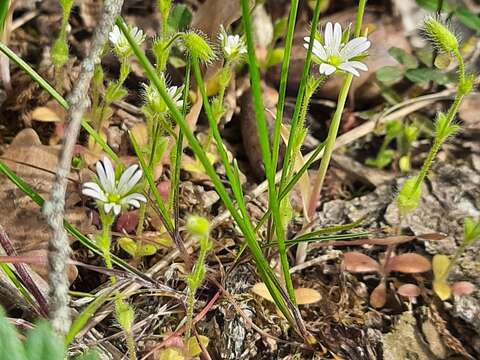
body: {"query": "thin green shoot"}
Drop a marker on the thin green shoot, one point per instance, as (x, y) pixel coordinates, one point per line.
(263, 136)
(263, 267)
(335, 125)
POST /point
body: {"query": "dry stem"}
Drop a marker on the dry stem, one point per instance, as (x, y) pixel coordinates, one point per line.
(54, 209)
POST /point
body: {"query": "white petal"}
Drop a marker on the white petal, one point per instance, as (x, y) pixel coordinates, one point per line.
(133, 203)
(319, 52)
(116, 209)
(328, 35)
(337, 36)
(133, 181)
(94, 194)
(102, 176)
(108, 207)
(349, 68)
(114, 35)
(354, 47)
(110, 173)
(358, 65)
(327, 69)
(135, 196)
(127, 174)
(96, 188)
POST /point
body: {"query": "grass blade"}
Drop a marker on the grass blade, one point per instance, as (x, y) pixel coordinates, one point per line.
(263, 267)
(265, 148)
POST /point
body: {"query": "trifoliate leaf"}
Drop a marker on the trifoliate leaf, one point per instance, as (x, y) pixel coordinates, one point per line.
(423, 75)
(389, 75)
(404, 58)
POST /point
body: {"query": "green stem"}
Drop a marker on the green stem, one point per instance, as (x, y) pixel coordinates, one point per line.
(179, 149)
(337, 117)
(266, 273)
(452, 111)
(265, 149)
(292, 16)
(131, 345)
(301, 90)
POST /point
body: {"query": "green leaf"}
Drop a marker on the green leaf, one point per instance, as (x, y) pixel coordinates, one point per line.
(280, 27)
(42, 343)
(404, 58)
(180, 18)
(468, 18)
(425, 55)
(389, 75)
(276, 56)
(4, 5)
(471, 230)
(91, 355)
(84, 317)
(427, 74)
(393, 128)
(10, 345)
(382, 160)
(432, 5)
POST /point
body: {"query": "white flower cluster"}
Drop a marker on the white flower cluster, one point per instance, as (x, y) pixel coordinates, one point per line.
(154, 102)
(233, 46)
(115, 195)
(121, 46)
(333, 55)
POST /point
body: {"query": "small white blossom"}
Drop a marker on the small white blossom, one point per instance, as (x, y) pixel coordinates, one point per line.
(114, 195)
(176, 94)
(232, 45)
(120, 43)
(155, 102)
(333, 55)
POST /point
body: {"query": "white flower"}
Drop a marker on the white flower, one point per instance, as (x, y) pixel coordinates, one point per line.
(112, 194)
(176, 94)
(154, 102)
(232, 45)
(334, 55)
(120, 42)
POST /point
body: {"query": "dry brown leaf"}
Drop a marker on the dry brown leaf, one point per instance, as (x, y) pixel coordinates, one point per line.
(304, 296)
(378, 297)
(45, 114)
(461, 288)
(140, 133)
(36, 164)
(409, 290)
(409, 263)
(359, 263)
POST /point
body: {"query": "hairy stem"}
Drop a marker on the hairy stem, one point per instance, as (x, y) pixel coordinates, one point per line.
(54, 208)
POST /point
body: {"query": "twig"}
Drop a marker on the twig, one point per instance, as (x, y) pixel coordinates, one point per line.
(54, 209)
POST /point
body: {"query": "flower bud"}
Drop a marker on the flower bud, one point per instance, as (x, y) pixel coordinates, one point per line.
(441, 36)
(198, 46)
(198, 225)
